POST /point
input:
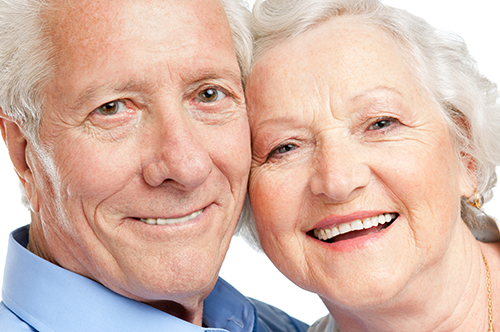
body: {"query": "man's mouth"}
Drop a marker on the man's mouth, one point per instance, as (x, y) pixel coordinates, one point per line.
(354, 229)
(171, 221)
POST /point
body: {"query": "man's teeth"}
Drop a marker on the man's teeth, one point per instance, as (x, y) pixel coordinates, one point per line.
(171, 221)
(328, 233)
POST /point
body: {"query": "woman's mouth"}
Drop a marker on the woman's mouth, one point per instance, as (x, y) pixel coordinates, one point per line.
(354, 229)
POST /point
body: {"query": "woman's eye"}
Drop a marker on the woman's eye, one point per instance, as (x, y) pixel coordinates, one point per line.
(282, 149)
(111, 108)
(381, 124)
(210, 95)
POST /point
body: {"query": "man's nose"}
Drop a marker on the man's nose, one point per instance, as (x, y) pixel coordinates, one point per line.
(178, 154)
(339, 173)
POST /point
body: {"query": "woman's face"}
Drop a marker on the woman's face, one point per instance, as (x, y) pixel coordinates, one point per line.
(345, 140)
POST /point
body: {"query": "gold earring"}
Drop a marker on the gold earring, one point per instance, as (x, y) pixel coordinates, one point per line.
(476, 200)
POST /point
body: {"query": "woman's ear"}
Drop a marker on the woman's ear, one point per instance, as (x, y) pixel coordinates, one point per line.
(469, 180)
(468, 165)
(16, 143)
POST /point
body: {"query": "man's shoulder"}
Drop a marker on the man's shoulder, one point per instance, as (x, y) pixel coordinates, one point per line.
(226, 304)
(9, 322)
(272, 319)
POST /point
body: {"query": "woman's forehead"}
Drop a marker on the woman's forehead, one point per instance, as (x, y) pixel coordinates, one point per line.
(338, 59)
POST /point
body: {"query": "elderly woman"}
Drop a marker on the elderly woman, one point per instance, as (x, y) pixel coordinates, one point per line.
(375, 142)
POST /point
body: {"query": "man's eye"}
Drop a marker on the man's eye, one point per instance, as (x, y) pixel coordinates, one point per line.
(111, 108)
(210, 95)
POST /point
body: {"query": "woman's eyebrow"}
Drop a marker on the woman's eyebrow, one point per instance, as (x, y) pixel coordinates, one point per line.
(374, 91)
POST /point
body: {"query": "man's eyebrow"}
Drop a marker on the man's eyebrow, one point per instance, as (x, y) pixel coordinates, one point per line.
(108, 88)
(135, 85)
(214, 73)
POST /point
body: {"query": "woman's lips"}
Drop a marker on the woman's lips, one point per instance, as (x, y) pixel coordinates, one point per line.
(355, 228)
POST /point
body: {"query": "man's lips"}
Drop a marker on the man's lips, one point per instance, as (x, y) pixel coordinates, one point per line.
(171, 221)
(355, 228)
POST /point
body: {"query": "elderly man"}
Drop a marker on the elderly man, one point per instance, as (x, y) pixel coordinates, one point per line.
(125, 121)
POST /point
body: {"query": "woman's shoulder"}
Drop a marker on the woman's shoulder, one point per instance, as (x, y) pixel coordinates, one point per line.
(325, 324)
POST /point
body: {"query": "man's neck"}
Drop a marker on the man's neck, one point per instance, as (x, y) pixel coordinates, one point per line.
(193, 316)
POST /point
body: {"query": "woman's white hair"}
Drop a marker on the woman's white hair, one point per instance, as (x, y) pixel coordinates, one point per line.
(468, 100)
(239, 22)
(27, 62)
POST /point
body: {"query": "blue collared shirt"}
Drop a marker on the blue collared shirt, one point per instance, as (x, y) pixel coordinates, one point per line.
(40, 296)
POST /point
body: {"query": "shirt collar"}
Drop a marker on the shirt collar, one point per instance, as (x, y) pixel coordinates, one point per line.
(51, 298)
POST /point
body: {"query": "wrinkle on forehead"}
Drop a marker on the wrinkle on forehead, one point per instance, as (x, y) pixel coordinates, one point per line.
(85, 32)
(320, 52)
(76, 24)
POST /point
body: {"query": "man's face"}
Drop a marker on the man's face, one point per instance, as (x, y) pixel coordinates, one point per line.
(147, 146)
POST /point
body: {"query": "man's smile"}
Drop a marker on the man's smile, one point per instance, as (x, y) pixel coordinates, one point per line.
(171, 221)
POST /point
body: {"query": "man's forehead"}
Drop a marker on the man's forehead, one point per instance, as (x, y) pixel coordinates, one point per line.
(92, 21)
(86, 30)
(141, 43)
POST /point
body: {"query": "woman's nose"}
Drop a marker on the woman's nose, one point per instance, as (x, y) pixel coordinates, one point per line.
(178, 155)
(339, 173)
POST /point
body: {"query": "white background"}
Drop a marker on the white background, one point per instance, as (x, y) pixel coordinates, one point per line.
(476, 21)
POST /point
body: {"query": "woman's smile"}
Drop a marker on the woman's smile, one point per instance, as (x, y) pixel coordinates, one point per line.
(354, 229)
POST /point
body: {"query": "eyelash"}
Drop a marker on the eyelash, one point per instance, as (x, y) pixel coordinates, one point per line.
(118, 103)
(391, 121)
(219, 90)
(275, 154)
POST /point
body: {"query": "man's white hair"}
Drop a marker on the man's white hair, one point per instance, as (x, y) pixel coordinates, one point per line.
(27, 61)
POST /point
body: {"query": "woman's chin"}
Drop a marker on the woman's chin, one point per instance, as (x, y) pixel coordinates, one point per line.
(370, 297)
(361, 269)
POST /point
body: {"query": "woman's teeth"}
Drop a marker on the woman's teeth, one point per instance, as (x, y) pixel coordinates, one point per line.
(324, 234)
(171, 221)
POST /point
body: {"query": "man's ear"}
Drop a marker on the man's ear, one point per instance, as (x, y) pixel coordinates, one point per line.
(16, 143)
